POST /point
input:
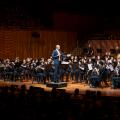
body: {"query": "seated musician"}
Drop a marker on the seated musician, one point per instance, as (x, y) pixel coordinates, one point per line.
(94, 77)
(116, 71)
(81, 71)
(75, 69)
(89, 51)
(2, 66)
(95, 71)
(104, 73)
(90, 66)
(115, 78)
(40, 72)
(9, 70)
(49, 70)
(117, 50)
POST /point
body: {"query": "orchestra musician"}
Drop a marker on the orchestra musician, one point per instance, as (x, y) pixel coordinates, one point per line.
(90, 50)
(117, 50)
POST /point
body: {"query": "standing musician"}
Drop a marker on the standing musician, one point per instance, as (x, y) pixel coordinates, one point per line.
(56, 56)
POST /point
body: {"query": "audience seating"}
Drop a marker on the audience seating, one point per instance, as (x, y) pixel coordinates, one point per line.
(35, 103)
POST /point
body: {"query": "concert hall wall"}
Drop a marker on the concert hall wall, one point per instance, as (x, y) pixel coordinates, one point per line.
(105, 45)
(22, 43)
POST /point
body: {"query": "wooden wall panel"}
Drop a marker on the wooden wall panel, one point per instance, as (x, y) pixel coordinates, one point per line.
(20, 43)
(105, 45)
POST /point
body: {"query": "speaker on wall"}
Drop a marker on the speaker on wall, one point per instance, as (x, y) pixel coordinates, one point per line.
(35, 34)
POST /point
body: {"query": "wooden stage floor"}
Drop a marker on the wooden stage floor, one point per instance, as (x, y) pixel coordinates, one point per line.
(70, 87)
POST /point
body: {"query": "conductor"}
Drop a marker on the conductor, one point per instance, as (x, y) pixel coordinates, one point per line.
(56, 56)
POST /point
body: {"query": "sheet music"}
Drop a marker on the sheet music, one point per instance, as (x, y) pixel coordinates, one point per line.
(90, 66)
(64, 62)
(68, 55)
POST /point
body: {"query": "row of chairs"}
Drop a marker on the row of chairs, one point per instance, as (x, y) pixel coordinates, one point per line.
(96, 81)
(21, 74)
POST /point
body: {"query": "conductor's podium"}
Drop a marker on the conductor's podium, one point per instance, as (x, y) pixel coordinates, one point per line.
(56, 85)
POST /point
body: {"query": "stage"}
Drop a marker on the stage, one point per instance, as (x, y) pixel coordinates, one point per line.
(70, 87)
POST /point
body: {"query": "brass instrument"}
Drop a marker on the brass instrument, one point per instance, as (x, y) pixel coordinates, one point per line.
(118, 56)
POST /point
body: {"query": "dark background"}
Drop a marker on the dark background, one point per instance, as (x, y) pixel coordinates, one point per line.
(41, 12)
(90, 20)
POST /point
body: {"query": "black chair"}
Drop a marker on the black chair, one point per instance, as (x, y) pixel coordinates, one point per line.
(94, 81)
(115, 82)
